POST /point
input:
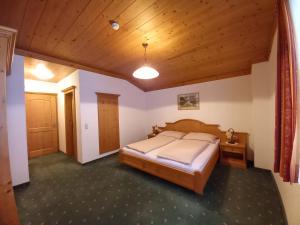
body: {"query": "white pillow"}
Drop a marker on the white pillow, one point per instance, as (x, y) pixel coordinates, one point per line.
(200, 136)
(174, 134)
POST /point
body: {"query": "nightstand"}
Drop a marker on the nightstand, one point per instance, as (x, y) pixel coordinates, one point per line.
(151, 135)
(234, 154)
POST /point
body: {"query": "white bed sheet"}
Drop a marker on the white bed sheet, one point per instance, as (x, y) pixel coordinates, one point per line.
(197, 165)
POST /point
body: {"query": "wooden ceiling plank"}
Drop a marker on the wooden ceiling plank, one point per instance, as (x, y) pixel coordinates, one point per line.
(169, 68)
(208, 46)
(158, 28)
(98, 35)
(84, 22)
(231, 48)
(148, 14)
(212, 35)
(140, 31)
(95, 29)
(33, 12)
(9, 10)
(198, 71)
(53, 10)
(224, 75)
(64, 22)
(224, 42)
(193, 72)
(182, 76)
(194, 40)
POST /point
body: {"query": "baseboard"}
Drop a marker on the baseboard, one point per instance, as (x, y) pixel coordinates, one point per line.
(281, 202)
(102, 156)
(108, 153)
(22, 185)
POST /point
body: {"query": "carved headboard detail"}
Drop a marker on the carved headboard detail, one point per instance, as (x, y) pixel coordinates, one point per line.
(190, 125)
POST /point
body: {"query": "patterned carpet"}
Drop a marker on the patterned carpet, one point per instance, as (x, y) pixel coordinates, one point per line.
(104, 192)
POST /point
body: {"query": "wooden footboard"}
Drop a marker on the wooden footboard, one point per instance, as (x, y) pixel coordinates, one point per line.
(193, 181)
(202, 178)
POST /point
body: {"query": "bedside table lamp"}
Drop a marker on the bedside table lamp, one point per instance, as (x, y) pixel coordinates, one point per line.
(231, 138)
(155, 130)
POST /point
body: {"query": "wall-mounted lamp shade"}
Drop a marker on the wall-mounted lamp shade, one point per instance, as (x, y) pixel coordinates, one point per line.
(42, 72)
(145, 72)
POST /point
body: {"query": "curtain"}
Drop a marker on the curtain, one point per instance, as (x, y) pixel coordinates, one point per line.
(286, 98)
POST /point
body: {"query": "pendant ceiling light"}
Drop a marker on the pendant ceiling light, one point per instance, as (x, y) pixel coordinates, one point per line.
(145, 72)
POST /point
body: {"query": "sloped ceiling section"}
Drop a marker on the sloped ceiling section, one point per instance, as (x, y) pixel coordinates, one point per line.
(189, 42)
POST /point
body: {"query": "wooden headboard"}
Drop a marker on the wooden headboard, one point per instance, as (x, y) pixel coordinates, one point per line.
(190, 125)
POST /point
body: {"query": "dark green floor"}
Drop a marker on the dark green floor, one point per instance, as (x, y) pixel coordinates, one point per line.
(105, 192)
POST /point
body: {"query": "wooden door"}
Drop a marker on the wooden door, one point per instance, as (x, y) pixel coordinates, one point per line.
(108, 120)
(41, 117)
(70, 122)
(8, 209)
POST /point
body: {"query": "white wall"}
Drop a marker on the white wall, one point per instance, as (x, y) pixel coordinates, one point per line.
(263, 109)
(40, 86)
(131, 111)
(225, 102)
(295, 9)
(16, 123)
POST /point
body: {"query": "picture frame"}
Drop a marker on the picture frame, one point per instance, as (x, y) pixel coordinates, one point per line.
(189, 101)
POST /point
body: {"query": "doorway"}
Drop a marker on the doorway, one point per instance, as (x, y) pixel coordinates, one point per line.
(108, 120)
(70, 122)
(41, 119)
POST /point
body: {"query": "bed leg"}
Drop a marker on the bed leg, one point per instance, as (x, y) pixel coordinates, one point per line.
(121, 156)
(198, 183)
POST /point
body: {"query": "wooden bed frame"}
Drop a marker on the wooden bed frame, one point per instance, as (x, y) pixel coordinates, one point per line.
(195, 181)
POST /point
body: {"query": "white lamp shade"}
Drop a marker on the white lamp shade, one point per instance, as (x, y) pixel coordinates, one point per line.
(145, 72)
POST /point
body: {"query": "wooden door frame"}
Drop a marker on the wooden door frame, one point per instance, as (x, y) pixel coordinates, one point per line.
(66, 91)
(8, 208)
(44, 93)
(99, 94)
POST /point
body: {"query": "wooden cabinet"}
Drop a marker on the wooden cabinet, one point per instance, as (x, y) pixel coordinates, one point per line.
(8, 209)
(108, 119)
(235, 154)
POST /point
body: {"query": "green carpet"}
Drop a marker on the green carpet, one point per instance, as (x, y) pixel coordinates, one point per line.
(64, 192)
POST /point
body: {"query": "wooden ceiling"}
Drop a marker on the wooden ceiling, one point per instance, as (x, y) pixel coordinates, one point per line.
(189, 41)
(58, 70)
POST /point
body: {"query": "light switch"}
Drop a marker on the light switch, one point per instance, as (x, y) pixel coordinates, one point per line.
(86, 126)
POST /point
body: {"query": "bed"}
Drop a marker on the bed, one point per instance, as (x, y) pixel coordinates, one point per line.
(194, 176)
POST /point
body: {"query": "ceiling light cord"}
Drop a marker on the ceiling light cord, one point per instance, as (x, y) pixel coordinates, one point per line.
(145, 72)
(145, 45)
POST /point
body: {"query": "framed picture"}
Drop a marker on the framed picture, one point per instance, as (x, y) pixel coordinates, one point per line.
(188, 101)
